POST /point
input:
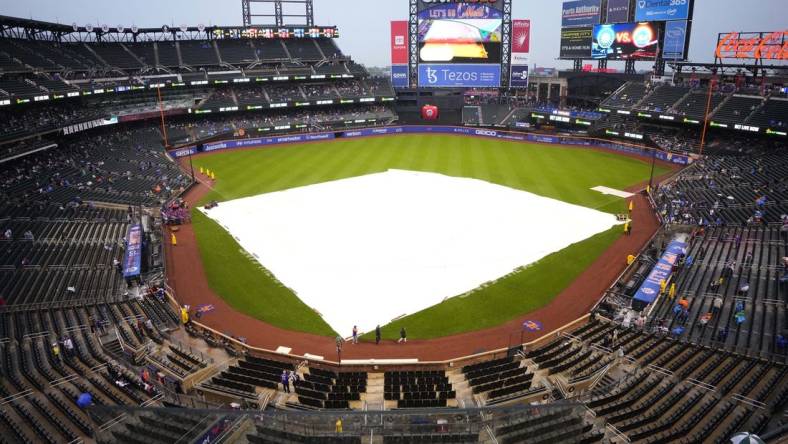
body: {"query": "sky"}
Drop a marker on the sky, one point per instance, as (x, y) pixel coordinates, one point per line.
(364, 24)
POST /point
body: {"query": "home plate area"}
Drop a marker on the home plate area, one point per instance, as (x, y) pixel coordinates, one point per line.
(365, 250)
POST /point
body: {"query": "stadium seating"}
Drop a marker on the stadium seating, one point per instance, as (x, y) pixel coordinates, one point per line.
(721, 190)
(756, 251)
(676, 389)
(330, 390)
(772, 114)
(737, 108)
(418, 389)
(663, 97)
(629, 95)
(694, 104)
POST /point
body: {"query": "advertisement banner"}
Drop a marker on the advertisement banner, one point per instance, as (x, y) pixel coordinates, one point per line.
(399, 76)
(452, 10)
(581, 13)
(521, 37)
(519, 77)
(753, 45)
(132, 258)
(625, 41)
(617, 11)
(464, 76)
(662, 10)
(576, 43)
(229, 144)
(468, 131)
(649, 290)
(399, 42)
(674, 41)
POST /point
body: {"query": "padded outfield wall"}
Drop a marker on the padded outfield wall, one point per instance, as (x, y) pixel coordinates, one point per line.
(632, 149)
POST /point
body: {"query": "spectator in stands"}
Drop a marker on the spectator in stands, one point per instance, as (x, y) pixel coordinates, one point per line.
(748, 259)
(338, 426)
(8, 234)
(781, 343)
(285, 381)
(56, 350)
(68, 346)
(716, 304)
(744, 289)
(403, 335)
(715, 284)
(28, 235)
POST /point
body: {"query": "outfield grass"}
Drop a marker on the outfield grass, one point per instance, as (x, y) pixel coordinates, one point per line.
(558, 172)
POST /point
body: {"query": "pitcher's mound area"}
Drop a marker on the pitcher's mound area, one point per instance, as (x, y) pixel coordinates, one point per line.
(365, 250)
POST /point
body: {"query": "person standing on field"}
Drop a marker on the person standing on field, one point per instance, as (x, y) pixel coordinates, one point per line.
(355, 334)
(377, 335)
(403, 335)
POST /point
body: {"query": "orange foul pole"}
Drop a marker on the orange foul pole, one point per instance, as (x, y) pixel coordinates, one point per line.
(706, 117)
(161, 111)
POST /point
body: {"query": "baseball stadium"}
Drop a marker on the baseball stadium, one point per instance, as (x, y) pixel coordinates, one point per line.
(391, 224)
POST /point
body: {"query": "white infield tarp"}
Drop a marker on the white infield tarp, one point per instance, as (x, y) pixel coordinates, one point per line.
(365, 250)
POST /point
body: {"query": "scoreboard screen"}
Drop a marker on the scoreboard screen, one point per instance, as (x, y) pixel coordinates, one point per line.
(277, 33)
(626, 41)
(460, 43)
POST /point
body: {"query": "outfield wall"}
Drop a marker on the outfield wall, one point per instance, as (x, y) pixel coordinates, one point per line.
(638, 150)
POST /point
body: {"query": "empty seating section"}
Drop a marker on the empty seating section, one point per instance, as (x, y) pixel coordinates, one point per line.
(736, 109)
(243, 378)
(330, 390)
(270, 50)
(663, 97)
(195, 53)
(270, 435)
(329, 48)
(115, 55)
(16, 88)
(304, 50)
(83, 53)
(237, 52)
(55, 85)
(418, 389)
(9, 65)
(675, 389)
(15, 49)
(549, 425)
(773, 114)
(145, 52)
(694, 104)
(498, 378)
(627, 96)
(167, 427)
(168, 54)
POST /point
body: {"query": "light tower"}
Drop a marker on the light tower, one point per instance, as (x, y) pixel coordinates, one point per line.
(278, 14)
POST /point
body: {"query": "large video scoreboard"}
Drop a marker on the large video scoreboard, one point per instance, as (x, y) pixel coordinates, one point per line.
(460, 43)
(625, 29)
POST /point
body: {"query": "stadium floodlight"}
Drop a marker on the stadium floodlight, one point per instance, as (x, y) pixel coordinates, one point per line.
(278, 14)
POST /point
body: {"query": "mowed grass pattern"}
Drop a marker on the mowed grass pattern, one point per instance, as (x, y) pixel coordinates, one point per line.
(558, 172)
